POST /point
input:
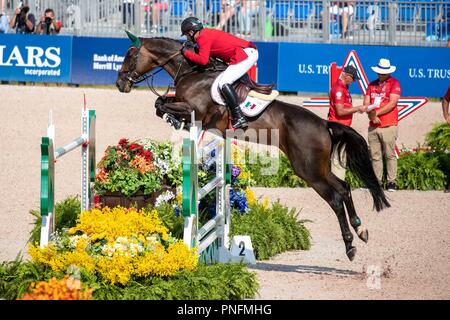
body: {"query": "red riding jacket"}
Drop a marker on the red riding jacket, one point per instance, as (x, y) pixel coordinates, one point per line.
(219, 44)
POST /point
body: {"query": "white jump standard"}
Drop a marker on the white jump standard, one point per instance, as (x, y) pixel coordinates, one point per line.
(212, 239)
(48, 158)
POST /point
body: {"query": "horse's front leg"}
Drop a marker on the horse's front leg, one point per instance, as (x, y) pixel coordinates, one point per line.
(177, 114)
(180, 110)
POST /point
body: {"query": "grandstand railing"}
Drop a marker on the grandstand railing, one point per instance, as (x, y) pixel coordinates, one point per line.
(407, 22)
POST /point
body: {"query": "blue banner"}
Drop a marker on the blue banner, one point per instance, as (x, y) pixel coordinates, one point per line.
(98, 60)
(267, 62)
(293, 67)
(421, 71)
(35, 58)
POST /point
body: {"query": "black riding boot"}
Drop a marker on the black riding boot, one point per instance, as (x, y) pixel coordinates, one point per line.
(238, 119)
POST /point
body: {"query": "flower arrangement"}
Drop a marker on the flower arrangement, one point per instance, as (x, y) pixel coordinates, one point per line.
(241, 196)
(140, 166)
(68, 288)
(117, 244)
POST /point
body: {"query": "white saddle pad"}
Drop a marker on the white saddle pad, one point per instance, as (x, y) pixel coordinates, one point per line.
(254, 104)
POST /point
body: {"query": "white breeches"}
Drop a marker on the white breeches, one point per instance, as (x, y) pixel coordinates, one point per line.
(235, 71)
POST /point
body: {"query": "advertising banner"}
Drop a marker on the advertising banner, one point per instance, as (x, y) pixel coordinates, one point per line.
(421, 71)
(36, 58)
(98, 60)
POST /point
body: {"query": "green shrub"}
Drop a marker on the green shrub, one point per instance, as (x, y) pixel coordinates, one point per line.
(66, 213)
(175, 223)
(220, 281)
(272, 230)
(420, 171)
(284, 177)
(439, 137)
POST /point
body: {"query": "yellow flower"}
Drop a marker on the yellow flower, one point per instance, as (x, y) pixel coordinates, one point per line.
(117, 269)
(250, 195)
(133, 247)
(265, 203)
(110, 224)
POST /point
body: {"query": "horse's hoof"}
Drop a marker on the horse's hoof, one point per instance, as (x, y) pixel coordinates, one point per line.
(363, 234)
(351, 253)
(180, 128)
(165, 117)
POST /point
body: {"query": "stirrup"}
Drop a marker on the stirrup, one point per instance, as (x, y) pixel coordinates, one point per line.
(240, 123)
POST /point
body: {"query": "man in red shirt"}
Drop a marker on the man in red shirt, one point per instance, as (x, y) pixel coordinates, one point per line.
(342, 110)
(239, 54)
(383, 94)
(445, 103)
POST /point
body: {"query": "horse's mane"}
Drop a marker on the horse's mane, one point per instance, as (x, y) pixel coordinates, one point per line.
(213, 63)
(164, 38)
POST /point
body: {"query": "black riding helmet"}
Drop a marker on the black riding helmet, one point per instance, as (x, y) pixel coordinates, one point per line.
(191, 23)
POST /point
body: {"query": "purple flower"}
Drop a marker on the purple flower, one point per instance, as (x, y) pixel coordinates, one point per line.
(235, 171)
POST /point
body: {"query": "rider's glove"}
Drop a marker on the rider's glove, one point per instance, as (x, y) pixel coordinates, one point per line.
(187, 45)
(183, 49)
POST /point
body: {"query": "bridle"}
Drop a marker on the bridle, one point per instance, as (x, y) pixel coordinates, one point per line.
(134, 77)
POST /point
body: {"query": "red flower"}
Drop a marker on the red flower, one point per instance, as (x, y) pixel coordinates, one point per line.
(123, 142)
(148, 155)
(135, 147)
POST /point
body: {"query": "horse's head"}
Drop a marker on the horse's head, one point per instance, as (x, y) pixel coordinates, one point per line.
(141, 59)
(128, 73)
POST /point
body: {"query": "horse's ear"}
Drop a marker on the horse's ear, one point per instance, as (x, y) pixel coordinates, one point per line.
(136, 41)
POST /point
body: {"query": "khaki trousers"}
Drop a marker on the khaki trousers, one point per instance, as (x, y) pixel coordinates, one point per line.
(336, 168)
(382, 142)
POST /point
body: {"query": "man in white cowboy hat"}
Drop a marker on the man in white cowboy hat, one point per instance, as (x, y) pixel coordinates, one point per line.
(342, 110)
(381, 99)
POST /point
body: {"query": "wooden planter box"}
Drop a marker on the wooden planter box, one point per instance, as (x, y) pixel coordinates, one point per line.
(138, 200)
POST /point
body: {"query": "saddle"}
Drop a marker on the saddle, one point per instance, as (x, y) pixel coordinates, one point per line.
(244, 84)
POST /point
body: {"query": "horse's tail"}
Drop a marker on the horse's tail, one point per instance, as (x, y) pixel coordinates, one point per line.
(358, 160)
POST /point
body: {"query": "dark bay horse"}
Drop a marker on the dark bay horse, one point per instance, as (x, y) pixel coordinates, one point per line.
(306, 139)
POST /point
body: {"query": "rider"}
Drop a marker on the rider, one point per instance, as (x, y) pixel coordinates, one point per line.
(239, 54)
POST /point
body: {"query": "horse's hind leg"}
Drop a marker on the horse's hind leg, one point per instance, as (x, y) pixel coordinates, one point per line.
(344, 189)
(336, 202)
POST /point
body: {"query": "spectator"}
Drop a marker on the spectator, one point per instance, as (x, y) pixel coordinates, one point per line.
(383, 93)
(374, 19)
(341, 12)
(73, 19)
(4, 23)
(249, 8)
(23, 21)
(128, 14)
(228, 11)
(347, 14)
(342, 110)
(445, 103)
(48, 24)
(155, 8)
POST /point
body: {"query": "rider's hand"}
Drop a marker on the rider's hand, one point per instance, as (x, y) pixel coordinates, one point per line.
(183, 49)
(187, 45)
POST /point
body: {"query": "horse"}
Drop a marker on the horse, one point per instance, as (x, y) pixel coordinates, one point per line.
(307, 140)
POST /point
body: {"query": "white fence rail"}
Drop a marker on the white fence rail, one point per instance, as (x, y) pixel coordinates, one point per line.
(404, 22)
